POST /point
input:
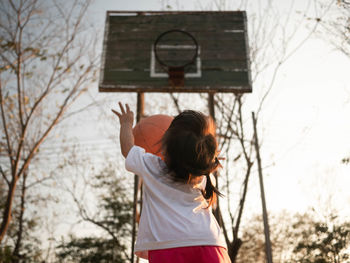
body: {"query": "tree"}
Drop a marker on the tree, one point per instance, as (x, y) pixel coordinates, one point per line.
(46, 64)
(272, 43)
(286, 229)
(297, 238)
(324, 242)
(20, 243)
(113, 217)
(335, 28)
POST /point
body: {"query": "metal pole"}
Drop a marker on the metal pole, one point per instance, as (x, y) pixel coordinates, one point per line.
(262, 192)
(211, 105)
(139, 114)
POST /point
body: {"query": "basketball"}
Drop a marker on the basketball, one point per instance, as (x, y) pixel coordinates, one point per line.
(149, 131)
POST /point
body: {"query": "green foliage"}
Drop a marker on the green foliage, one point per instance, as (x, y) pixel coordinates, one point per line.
(89, 249)
(296, 238)
(5, 254)
(326, 243)
(346, 160)
(30, 250)
(114, 218)
(285, 229)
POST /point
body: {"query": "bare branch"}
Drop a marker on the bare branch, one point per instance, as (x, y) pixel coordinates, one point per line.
(4, 124)
(38, 182)
(25, 47)
(46, 133)
(64, 105)
(176, 102)
(287, 56)
(4, 176)
(242, 200)
(228, 191)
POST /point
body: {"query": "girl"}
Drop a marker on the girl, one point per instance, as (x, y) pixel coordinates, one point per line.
(177, 224)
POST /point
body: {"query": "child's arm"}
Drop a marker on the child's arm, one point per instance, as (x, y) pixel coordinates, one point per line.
(126, 118)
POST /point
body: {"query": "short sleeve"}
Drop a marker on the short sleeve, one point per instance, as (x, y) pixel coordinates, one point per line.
(141, 163)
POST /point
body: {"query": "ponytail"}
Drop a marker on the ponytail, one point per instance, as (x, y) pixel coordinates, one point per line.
(206, 149)
(211, 192)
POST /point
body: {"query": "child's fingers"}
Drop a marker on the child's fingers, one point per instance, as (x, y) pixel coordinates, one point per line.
(121, 108)
(116, 113)
(127, 107)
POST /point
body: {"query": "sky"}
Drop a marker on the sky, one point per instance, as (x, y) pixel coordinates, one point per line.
(304, 126)
(304, 123)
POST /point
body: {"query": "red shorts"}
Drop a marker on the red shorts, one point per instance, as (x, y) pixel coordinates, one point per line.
(196, 254)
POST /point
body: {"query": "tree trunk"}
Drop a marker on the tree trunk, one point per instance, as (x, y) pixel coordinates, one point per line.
(16, 251)
(233, 249)
(6, 219)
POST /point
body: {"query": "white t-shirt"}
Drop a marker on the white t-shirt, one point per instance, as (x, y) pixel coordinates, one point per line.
(173, 214)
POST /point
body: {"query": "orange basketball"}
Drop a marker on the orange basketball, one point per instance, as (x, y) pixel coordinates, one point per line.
(149, 131)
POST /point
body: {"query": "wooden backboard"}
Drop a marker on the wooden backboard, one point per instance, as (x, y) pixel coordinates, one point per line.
(129, 63)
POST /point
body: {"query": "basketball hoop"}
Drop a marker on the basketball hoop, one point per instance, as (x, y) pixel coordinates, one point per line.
(181, 51)
(175, 69)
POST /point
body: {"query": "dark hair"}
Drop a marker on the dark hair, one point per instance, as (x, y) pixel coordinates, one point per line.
(190, 150)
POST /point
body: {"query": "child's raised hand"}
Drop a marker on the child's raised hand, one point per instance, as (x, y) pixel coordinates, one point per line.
(126, 116)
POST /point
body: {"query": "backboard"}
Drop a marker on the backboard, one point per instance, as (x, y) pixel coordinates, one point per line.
(208, 50)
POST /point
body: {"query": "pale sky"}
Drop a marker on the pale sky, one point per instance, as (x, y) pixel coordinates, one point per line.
(304, 122)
